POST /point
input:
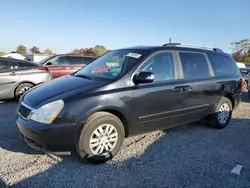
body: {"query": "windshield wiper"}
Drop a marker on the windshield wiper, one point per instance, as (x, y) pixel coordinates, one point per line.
(83, 76)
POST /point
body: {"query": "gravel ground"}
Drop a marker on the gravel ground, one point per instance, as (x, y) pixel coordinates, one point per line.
(188, 156)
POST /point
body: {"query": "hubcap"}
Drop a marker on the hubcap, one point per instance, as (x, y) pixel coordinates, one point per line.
(223, 113)
(103, 140)
(23, 90)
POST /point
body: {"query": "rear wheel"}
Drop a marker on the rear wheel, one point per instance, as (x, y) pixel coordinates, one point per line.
(222, 114)
(22, 88)
(101, 138)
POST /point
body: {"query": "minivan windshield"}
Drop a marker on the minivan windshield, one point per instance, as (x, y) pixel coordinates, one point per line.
(111, 65)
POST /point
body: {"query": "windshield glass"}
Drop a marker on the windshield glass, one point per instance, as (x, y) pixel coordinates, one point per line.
(45, 59)
(111, 65)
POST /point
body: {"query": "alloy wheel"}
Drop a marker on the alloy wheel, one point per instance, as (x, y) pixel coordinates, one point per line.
(103, 140)
(224, 113)
(23, 90)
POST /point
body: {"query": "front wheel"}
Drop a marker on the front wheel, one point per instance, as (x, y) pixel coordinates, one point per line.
(21, 89)
(101, 138)
(222, 114)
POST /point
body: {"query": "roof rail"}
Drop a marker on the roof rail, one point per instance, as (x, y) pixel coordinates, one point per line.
(194, 46)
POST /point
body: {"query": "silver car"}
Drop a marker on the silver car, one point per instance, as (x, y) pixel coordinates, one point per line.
(18, 76)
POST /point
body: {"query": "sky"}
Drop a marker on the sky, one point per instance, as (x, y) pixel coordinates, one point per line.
(64, 25)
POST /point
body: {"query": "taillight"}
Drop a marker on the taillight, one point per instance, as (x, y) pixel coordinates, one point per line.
(241, 84)
(43, 69)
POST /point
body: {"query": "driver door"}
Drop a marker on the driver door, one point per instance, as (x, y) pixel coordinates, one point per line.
(157, 104)
(57, 66)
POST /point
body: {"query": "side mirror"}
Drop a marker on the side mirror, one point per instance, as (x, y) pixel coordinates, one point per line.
(144, 77)
(49, 63)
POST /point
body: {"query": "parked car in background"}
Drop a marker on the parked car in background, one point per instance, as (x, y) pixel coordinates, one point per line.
(143, 89)
(64, 64)
(15, 55)
(246, 75)
(18, 76)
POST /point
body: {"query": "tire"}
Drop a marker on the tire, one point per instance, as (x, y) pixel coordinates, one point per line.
(96, 122)
(21, 89)
(214, 119)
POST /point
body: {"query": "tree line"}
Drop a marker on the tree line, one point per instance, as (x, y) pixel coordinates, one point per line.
(98, 50)
(21, 49)
(240, 50)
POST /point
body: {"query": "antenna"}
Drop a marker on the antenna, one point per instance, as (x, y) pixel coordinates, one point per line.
(170, 40)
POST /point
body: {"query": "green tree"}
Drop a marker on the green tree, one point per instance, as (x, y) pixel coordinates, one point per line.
(21, 49)
(2, 53)
(247, 56)
(48, 52)
(35, 50)
(76, 52)
(241, 50)
(99, 50)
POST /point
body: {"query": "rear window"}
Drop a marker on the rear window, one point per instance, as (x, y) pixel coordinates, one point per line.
(222, 65)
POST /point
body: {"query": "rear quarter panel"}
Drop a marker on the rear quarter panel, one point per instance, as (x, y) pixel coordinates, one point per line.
(228, 86)
(34, 76)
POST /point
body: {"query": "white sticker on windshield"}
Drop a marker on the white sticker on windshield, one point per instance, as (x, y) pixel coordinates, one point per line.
(134, 55)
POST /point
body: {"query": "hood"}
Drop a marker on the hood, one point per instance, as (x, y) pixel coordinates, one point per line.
(57, 87)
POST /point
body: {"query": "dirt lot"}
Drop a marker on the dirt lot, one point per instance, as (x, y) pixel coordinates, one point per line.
(187, 156)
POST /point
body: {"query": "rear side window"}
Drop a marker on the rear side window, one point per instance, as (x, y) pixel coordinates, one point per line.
(14, 65)
(221, 64)
(75, 60)
(194, 65)
(88, 60)
(4, 66)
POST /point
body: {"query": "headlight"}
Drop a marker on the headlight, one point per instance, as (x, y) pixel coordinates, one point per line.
(48, 112)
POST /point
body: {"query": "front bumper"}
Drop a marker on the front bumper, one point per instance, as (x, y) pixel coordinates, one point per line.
(52, 138)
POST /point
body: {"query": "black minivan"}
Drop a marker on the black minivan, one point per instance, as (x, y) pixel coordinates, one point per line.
(128, 92)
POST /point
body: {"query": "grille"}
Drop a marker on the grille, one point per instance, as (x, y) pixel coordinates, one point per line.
(24, 111)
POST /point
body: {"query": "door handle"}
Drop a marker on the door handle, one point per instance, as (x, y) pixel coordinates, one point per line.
(187, 88)
(13, 74)
(178, 89)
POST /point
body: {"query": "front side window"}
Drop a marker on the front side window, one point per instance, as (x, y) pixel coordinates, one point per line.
(161, 65)
(58, 61)
(222, 65)
(194, 65)
(46, 59)
(112, 64)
